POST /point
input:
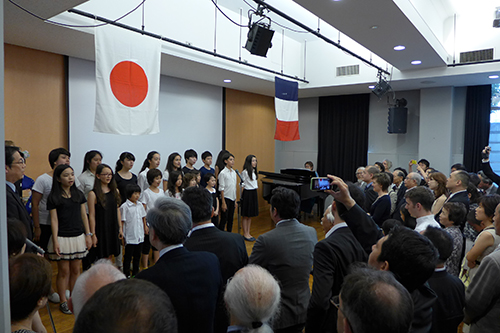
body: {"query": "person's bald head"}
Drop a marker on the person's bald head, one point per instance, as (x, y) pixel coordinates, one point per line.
(102, 273)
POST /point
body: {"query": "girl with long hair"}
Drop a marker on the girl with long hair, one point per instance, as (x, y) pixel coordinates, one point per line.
(173, 164)
(123, 175)
(71, 234)
(249, 199)
(104, 214)
(152, 161)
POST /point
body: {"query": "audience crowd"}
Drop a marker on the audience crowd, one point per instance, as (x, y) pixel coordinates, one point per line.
(404, 250)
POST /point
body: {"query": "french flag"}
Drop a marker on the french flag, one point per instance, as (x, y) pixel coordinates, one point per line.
(286, 103)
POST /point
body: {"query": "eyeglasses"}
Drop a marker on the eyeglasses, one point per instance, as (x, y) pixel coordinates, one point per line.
(106, 174)
(335, 300)
(21, 161)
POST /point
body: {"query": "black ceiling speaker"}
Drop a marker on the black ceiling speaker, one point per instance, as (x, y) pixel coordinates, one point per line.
(259, 39)
(381, 88)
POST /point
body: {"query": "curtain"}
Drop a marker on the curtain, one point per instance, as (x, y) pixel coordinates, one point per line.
(343, 134)
(477, 125)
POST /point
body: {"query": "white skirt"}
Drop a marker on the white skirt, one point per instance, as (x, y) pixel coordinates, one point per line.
(70, 248)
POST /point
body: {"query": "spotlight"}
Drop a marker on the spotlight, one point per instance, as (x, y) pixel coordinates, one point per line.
(259, 39)
(260, 34)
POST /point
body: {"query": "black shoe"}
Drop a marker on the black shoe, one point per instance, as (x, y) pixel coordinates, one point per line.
(251, 239)
(64, 308)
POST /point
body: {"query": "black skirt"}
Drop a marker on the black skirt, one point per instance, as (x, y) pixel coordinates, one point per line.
(249, 203)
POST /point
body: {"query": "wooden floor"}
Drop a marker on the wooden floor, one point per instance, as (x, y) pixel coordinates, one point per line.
(261, 224)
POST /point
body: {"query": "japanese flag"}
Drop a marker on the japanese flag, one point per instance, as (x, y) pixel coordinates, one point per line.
(286, 103)
(127, 82)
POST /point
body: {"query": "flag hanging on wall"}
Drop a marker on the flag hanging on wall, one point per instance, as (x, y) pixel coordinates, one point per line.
(286, 104)
(127, 82)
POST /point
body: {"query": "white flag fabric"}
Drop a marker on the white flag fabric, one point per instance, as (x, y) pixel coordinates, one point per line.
(127, 82)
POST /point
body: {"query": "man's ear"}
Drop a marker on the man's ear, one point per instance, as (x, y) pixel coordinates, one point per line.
(385, 266)
(334, 206)
(213, 211)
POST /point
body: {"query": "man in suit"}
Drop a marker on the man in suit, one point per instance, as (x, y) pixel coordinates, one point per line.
(332, 258)
(14, 171)
(400, 188)
(409, 255)
(486, 184)
(447, 312)
(457, 183)
(370, 194)
(287, 253)
(192, 280)
(205, 236)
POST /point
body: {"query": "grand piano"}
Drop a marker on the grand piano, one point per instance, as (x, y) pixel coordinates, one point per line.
(298, 180)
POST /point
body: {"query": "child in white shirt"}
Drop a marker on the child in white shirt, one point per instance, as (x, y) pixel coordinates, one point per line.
(132, 229)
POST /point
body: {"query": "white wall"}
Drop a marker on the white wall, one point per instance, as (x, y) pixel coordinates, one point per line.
(190, 116)
(293, 154)
(398, 148)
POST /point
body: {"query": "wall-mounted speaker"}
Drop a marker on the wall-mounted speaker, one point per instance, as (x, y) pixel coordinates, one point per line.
(398, 118)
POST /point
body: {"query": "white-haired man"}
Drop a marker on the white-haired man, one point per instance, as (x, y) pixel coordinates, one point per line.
(102, 273)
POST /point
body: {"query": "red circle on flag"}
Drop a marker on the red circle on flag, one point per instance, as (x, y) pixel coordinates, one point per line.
(129, 83)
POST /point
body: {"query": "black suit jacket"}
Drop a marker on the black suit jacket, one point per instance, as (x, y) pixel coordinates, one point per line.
(461, 197)
(370, 197)
(16, 209)
(193, 282)
(228, 247)
(232, 253)
(447, 312)
(332, 257)
(368, 233)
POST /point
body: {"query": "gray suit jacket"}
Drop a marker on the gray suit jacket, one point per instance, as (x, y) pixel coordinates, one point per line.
(287, 253)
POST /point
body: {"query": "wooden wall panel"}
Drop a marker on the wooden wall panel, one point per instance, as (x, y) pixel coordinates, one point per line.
(35, 104)
(250, 124)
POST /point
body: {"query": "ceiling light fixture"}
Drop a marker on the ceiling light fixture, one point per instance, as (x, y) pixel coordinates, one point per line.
(493, 77)
(399, 47)
(416, 62)
(371, 87)
(227, 80)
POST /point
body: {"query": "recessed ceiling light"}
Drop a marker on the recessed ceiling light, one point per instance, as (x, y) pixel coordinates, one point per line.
(227, 80)
(371, 87)
(399, 48)
(374, 27)
(493, 76)
(416, 62)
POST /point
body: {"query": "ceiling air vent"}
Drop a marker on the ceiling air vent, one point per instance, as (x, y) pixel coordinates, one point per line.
(348, 70)
(476, 56)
